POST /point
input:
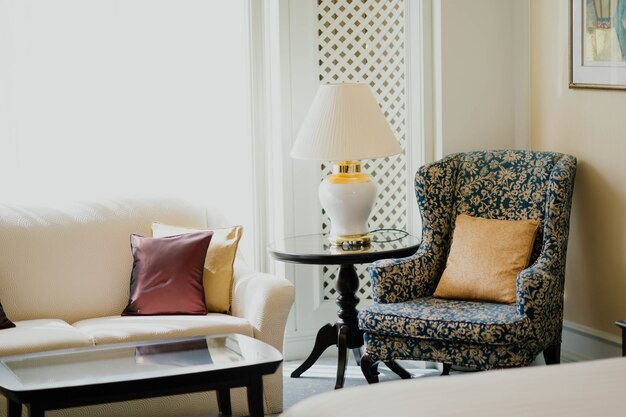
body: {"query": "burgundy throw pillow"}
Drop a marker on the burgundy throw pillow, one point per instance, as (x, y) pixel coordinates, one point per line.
(167, 274)
(5, 323)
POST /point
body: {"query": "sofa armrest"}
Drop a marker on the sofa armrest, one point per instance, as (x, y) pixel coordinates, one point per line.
(264, 300)
(404, 279)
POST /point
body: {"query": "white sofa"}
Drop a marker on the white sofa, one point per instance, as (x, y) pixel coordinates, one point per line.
(64, 280)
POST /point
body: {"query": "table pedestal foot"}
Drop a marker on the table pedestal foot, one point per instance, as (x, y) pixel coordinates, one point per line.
(342, 361)
(326, 336)
(398, 370)
(345, 333)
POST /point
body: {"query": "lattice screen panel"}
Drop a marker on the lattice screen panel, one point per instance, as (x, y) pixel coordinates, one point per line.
(363, 41)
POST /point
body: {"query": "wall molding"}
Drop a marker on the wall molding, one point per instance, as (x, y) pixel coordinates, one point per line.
(259, 87)
(419, 101)
(582, 343)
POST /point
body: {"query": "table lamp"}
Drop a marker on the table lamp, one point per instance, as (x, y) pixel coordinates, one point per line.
(344, 125)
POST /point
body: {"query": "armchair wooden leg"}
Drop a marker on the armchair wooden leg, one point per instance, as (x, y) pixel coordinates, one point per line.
(552, 354)
(369, 367)
(622, 325)
(446, 369)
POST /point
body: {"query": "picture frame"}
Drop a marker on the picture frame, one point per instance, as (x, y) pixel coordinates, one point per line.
(598, 44)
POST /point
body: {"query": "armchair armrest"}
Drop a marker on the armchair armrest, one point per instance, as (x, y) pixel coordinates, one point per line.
(540, 287)
(399, 280)
(265, 300)
(540, 298)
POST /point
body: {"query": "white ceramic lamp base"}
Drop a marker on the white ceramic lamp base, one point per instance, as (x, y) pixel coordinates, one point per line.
(348, 197)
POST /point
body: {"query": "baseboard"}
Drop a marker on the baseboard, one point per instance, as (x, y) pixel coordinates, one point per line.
(299, 344)
(582, 343)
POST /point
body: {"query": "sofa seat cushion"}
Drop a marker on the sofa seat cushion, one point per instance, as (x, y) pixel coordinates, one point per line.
(451, 320)
(117, 329)
(40, 335)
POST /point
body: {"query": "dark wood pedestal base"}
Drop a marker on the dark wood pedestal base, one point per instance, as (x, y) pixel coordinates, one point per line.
(345, 333)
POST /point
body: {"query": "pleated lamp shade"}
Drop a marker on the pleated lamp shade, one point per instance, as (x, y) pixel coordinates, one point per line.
(345, 123)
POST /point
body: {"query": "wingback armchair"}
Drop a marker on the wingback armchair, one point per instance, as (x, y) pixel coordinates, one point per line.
(406, 322)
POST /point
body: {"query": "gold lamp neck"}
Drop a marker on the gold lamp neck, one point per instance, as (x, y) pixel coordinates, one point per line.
(347, 167)
(347, 172)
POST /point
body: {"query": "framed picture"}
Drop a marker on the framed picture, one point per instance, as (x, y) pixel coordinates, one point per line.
(598, 44)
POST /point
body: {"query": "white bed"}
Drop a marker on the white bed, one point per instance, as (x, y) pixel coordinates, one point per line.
(593, 388)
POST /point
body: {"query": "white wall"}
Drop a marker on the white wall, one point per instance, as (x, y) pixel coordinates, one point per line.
(482, 67)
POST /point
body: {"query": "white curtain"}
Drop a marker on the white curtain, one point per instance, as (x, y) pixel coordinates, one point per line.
(126, 97)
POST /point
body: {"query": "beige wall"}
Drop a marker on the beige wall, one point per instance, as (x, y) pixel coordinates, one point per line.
(591, 125)
(483, 95)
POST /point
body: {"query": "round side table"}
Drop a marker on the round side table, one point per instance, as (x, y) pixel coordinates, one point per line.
(317, 250)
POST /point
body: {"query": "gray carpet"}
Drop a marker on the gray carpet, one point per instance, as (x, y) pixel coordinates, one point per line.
(321, 378)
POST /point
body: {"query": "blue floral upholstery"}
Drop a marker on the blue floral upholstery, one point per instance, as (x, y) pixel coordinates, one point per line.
(460, 321)
(472, 355)
(405, 322)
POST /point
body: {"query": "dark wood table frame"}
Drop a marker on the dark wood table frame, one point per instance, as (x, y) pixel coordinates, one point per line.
(221, 380)
(622, 325)
(345, 332)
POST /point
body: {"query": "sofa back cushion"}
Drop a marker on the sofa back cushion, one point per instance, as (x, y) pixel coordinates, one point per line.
(73, 262)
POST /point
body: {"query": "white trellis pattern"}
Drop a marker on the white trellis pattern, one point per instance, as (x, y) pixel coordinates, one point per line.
(364, 41)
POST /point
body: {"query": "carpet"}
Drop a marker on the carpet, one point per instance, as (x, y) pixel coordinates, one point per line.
(321, 378)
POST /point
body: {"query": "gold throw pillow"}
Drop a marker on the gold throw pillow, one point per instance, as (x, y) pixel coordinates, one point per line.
(217, 278)
(485, 258)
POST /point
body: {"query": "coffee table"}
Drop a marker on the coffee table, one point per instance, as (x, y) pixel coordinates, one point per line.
(127, 371)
